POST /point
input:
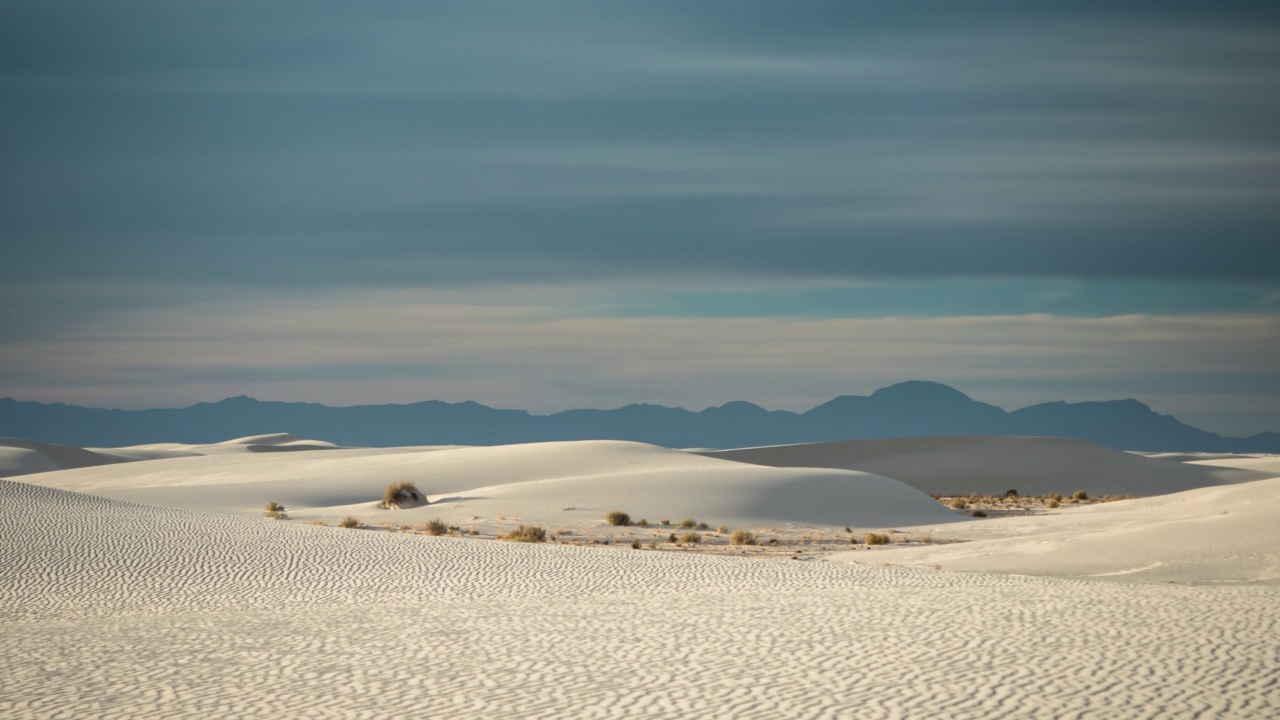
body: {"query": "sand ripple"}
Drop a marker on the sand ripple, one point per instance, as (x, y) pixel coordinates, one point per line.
(117, 610)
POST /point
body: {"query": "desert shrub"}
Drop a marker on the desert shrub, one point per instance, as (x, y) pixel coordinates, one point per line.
(671, 538)
(274, 506)
(320, 523)
(959, 504)
(876, 539)
(742, 537)
(690, 538)
(1051, 504)
(527, 533)
(635, 544)
(1079, 495)
(926, 539)
(1011, 493)
(1055, 496)
(436, 527)
(617, 517)
(979, 513)
(703, 526)
(274, 515)
(773, 541)
(401, 493)
(652, 545)
(688, 523)
(349, 522)
(664, 522)
(643, 523)
(721, 530)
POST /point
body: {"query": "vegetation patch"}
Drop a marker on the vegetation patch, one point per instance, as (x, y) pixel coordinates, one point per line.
(527, 533)
(617, 517)
(350, 522)
(876, 539)
(403, 494)
(742, 537)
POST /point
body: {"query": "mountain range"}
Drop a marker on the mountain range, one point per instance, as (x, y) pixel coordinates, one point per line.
(914, 408)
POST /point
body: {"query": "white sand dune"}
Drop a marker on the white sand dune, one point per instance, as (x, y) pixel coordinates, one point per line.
(23, 457)
(994, 464)
(117, 610)
(556, 484)
(1227, 534)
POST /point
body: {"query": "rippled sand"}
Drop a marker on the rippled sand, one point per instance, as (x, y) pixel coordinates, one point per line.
(112, 609)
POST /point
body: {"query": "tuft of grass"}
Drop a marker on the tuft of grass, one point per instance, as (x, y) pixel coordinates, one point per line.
(652, 545)
(690, 538)
(1051, 504)
(273, 515)
(349, 522)
(959, 504)
(617, 517)
(664, 522)
(643, 523)
(274, 506)
(635, 544)
(527, 533)
(722, 530)
(1079, 495)
(703, 526)
(1011, 493)
(876, 539)
(436, 527)
(742, 537)
(979, 513)
(927, 539)
(401, 493)
(688, 523)
(672, 538)
(1055, 496)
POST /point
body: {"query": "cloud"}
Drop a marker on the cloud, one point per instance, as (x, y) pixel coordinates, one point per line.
(396, 144)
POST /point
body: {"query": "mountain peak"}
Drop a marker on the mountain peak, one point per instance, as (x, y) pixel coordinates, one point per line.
(917, 390)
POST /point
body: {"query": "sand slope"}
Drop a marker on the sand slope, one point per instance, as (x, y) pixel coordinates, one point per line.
(555, 484)
(1208, 535)
(993, 465)
(115, 610)
(23, 457)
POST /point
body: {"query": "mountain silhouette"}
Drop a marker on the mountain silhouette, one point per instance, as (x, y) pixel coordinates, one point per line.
(908, 409)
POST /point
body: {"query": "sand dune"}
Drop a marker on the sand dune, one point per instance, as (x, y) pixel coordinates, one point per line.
(993, 465)
(116, 610)
(23, 457)
(1208, 535)
(556, 484)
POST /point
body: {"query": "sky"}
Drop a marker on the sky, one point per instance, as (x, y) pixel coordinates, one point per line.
(550, 205)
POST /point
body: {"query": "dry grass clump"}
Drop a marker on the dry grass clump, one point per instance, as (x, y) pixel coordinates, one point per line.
(274, 506)
(635, 544)
(959, 504)
(321, 523)
(688, 523)
(399, 494)
(979, 513)
(527, 533)
(722, 530)
(350, 522)
(742, 537)
(876, 539)
(1051, 503)
(926, 539)
(664, 522)
(274, 511)
(643, 523)
(690, 538)
(1054, 496)
(1079, 495)
(436, 527)
(672, 538)
(617, 517)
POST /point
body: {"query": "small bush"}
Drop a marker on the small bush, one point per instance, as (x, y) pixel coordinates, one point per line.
(690, 538)
(635, 544)
(527, 533)
(926, 539)
(617, 517)
(959, 504)
(1055, 496)
(274, 506)
(273, 515)
(1011, 493)
(652, 545)
(876, 539)
(350, 522)
(671, 538)
(1079, 495)
(1052, 504)
(742, 537)
(773, 541)
(703, 526)
(437, 527)
(664, 522)
(643, 523)
(402, 493)
(688, 523)
(979, 513)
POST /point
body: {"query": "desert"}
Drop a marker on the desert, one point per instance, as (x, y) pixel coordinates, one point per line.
(156, 587)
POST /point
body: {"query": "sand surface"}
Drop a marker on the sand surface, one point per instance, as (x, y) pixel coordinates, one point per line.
(995, 464)
(155, 588)
(112, 609)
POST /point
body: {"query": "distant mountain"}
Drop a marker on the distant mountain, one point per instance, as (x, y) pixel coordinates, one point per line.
(908, 409)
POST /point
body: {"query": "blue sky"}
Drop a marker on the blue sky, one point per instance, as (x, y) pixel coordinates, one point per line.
(552, 205)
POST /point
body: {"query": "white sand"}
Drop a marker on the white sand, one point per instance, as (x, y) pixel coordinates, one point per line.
(111, 609)
(995, 464)
(114, 609)
(569, 484)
